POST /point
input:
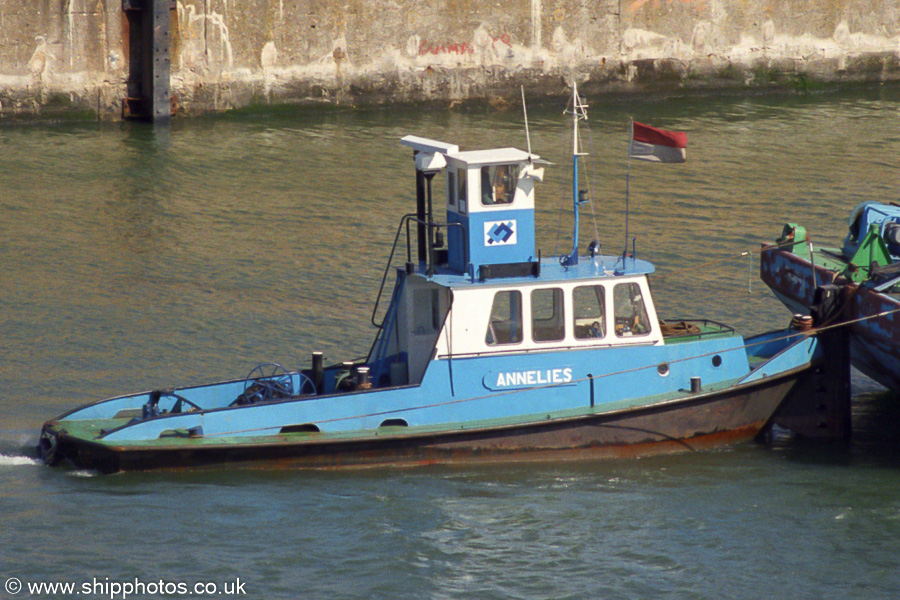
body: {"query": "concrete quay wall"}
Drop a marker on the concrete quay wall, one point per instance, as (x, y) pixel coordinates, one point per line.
(61, 55)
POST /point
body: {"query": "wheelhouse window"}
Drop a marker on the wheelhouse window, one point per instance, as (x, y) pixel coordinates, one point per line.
(505, 325)
(548, 322)
(589, 312)
(631, 314)
(452, 190)
(462, 189)
(498, 184)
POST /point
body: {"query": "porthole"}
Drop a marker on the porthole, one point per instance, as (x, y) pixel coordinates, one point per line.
(302, 428)
(663, 369)
(717, 361)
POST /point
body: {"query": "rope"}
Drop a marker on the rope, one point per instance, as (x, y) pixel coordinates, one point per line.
(717, 261)
(883, 313)
(562, 209)
(591, 187)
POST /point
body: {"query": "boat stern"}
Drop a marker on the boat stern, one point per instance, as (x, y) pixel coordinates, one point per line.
(77, 443)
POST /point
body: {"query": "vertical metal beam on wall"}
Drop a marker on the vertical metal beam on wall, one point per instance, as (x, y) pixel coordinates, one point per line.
(148, 95)
(158, 26)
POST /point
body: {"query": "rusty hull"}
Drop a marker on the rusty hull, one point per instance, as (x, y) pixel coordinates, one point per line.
(872, 316)
(694, 422)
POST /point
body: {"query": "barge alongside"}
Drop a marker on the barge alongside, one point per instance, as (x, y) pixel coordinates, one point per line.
(486, 352)
(857, 284)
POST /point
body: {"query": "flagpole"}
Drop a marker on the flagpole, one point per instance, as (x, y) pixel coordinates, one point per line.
(655, 145)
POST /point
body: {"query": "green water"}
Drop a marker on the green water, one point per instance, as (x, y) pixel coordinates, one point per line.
(136, 258)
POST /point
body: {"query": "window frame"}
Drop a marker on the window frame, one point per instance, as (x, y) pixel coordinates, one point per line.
(604, 316)
(519, 319)
(558, 315)
(512, 174)
(634, 301)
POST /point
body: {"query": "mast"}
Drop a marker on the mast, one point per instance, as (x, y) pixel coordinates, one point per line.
(579, 112)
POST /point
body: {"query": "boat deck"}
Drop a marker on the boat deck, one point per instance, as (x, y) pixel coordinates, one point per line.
(597, 267)
(689, 330)
(91, 429)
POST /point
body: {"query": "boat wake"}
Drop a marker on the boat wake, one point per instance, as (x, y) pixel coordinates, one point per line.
(17, 449)
(7, 460)
(21, 460)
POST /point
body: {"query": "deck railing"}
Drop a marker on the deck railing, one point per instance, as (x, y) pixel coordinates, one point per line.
(429, 262)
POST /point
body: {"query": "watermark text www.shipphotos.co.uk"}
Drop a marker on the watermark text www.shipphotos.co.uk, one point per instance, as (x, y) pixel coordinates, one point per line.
(104, 587)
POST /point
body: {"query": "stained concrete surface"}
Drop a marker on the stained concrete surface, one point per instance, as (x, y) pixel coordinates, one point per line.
(67, 55)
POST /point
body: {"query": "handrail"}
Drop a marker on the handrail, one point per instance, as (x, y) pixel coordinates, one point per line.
(387, 267)
(405, 220)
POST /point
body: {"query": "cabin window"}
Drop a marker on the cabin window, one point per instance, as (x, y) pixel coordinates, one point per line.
(548, 322)
(462, 189)
(631, 314)
(452, 191)
(426, 311)
(498, 184)
(589, 311)
(505, 326)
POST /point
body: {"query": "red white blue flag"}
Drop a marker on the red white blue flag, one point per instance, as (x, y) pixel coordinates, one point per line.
(657, 145)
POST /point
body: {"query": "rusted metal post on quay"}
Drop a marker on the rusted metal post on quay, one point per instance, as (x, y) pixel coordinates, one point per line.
(148, 31)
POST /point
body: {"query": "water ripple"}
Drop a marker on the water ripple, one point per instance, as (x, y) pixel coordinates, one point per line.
(141, 258)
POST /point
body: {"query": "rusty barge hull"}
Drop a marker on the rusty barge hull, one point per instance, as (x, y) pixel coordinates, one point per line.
(873, 317)
(696, 422)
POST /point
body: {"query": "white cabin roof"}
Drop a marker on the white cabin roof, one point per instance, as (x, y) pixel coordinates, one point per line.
(491, 157)
(470, 158)
(426, 145)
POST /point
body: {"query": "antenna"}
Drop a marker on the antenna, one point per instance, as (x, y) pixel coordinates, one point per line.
(525, 112)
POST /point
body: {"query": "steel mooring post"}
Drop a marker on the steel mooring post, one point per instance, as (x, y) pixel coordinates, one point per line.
(161, 99)
(819, 405)
(148, 95)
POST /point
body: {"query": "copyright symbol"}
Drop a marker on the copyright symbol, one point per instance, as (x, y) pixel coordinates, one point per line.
(13, 585)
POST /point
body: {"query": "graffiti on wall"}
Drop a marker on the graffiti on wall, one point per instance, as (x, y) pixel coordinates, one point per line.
(459, 47)
(636, 5)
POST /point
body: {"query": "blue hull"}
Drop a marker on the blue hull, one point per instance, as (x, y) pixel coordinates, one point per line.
(588, 417)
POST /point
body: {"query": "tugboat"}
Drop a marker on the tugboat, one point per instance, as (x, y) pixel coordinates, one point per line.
(486, 352)
(857, 285)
